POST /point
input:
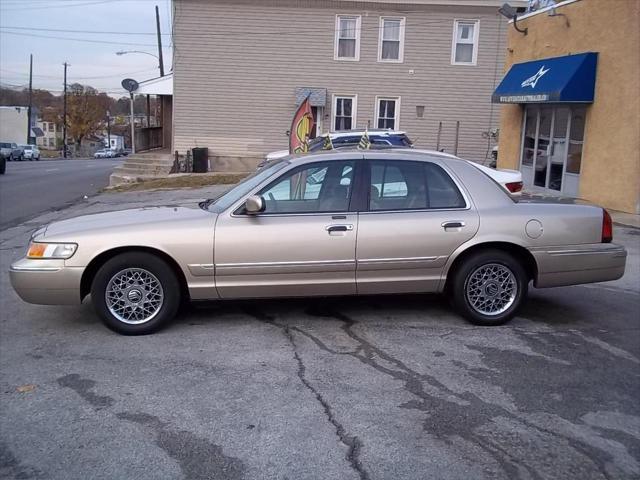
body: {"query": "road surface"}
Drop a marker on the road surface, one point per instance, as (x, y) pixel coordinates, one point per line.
(30, 188)
(365, 388)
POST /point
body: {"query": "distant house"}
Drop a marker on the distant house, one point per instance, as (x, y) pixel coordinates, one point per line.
(51, 138)
(427, 67)
(13, 124)
(114, 142)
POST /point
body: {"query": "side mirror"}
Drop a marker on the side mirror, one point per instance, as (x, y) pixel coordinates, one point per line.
(254, 205)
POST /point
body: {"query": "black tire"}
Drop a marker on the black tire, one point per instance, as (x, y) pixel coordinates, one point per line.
(476, 303)
(144, 264)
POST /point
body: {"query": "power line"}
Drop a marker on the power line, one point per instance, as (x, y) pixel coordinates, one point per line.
(123, 74)
(68, 5)
(77, 39)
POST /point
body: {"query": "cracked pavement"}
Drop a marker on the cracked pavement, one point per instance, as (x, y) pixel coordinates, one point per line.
(388, 387)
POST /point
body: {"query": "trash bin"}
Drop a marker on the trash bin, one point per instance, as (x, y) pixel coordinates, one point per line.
(200, 160)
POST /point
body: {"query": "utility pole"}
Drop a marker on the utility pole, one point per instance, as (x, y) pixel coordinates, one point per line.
(64, 114)
(109, 128)
(133, 127)
(159, 43)
(30, 99)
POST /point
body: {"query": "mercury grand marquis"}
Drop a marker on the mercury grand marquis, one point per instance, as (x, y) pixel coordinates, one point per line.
(335, 223)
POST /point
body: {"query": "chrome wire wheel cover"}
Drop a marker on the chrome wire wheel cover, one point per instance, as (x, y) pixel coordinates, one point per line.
(491, 289)
(134, 296)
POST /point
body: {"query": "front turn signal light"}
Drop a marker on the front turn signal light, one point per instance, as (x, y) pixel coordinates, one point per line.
(51, 250)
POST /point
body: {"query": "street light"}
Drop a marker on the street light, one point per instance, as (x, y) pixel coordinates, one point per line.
(511, 13)
(124, 52)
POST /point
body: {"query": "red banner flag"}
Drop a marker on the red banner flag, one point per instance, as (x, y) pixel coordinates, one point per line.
(301, 128)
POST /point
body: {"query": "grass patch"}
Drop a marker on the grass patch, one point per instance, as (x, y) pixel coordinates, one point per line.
(180, 181)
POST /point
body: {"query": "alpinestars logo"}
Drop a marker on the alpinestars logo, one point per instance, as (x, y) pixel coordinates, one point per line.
(532, 81)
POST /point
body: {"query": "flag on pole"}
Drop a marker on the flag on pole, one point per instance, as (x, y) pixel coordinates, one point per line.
(365, 143)
(301, 128)
(328, 144)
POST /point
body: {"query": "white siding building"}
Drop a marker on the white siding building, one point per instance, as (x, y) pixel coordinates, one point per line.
(241, 67)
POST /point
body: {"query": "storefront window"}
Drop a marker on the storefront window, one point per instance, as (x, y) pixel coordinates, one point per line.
(529, 146)
(576, 138)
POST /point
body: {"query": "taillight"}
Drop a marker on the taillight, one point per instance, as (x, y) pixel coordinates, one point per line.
(514, 187)
(607, 227)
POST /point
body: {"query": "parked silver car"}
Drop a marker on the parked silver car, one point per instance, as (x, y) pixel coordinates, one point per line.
(338, 223)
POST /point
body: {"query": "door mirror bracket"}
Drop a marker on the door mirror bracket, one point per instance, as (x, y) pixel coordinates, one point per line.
(254, 205)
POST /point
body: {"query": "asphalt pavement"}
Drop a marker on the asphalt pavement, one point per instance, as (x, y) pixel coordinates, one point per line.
(388, 387)
(30, 188)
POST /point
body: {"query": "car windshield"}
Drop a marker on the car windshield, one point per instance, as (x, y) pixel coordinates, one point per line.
(27, 147)
(245, 186)
(5, 145)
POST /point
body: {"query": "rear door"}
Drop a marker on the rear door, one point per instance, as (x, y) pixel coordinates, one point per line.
(302, 244)
(416, 216)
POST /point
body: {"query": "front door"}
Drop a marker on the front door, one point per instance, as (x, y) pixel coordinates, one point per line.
(552, 147)
(302, 244)
(417, 216)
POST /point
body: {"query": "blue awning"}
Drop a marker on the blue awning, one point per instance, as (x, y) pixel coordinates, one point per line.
(571, 78)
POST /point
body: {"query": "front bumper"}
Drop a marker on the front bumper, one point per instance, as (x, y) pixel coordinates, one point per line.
(576, 264)
(46, 282)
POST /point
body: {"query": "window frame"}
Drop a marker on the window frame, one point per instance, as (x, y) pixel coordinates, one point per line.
(396, 118)
(366, 193)
(400, 58)
(336, 43)
(237, 210)
(475, 41)
(354, 110)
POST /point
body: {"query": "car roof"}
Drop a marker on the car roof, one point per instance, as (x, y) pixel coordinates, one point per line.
(352, 153)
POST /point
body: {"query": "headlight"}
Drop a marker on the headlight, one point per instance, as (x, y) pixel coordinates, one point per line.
(51, 250)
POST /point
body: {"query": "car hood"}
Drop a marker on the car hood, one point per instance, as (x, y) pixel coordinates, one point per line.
(132, 220)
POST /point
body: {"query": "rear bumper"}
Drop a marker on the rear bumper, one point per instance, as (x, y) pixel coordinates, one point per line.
(46, 282)
(576, 264)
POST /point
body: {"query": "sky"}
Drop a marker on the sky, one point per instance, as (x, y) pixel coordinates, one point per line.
(45, 28)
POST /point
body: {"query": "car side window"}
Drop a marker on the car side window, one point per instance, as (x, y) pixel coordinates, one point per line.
(313, 188)
(402, 185)
(443, 192)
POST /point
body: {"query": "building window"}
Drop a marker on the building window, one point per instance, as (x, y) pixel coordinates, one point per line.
(52, 142)
(344, 112)
(51, 126)
(391, 40)
(464, 50)
(388, 113)
(347, 45)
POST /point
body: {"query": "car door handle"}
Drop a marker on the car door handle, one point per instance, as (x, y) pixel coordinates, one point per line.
(453, 224)
(338, 228)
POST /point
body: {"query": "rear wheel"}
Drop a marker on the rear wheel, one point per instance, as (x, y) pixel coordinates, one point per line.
(489, 287)
(135, 293)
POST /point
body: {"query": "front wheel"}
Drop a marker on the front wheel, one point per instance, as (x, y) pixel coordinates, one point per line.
(135, 293)
(489, 287)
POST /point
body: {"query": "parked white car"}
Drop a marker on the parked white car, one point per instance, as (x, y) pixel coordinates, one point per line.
(30, 152)
(104, 153)
(510, 180)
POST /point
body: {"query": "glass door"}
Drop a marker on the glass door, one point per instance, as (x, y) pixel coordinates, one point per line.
(541, 162)
(551, 155)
